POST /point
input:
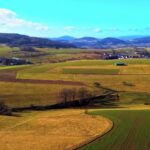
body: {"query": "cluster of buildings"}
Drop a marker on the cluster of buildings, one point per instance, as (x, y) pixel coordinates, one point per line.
(118, 55)
(13, 61)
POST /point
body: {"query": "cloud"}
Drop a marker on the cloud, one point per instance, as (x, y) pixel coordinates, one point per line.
(69, 28)
(96, 30)
(9, 19)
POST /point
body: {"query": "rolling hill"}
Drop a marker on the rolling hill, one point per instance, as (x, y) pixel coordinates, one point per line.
(16, 40)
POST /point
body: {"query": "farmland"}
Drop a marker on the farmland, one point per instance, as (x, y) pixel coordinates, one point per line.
(135, 75)
(130, 132)
(55, 130)
(90, 71)
(41, 83)
(48, 55)
(130, 81)
(25, 94)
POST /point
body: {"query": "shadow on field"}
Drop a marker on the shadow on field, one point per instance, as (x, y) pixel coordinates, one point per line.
(102, 101)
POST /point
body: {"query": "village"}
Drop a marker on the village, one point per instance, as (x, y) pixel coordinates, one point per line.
(120, 53)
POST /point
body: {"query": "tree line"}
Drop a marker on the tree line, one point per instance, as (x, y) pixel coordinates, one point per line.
(73, 94)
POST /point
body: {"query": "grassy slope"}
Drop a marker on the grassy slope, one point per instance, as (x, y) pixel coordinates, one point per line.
(6, 51)
(43, 55)
(131, 131)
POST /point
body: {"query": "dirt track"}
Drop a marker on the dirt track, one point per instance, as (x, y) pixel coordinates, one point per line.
(11, 77)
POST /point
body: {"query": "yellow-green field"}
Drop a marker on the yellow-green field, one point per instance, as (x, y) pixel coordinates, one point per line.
(25, 94)
(105, 72)
(131, 81)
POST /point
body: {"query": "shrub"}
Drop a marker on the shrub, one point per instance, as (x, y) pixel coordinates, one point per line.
(4, 109)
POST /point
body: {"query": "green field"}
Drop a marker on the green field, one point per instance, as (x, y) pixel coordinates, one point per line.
(130, 132)
(91, 71)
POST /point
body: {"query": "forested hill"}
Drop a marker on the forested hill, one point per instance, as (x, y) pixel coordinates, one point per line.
(16, 40)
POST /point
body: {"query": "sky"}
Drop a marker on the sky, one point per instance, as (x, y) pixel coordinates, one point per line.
(79, 18)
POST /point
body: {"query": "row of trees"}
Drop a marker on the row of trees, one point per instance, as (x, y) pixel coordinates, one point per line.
(73, 94)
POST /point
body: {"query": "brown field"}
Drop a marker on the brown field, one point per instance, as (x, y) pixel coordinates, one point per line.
(32, 81)
(53, 130)
(10, 76)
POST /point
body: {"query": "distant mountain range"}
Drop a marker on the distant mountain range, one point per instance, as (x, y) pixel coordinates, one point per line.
(110, 42)
(64, 38)
(72, 42)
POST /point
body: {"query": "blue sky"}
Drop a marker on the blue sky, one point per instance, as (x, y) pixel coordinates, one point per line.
(98, 18)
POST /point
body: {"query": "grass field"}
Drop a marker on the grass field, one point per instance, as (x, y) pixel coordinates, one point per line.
(134, 98)
(54, 130)
(132, 81)
(130, 132)
(19, 94)
(102, 71)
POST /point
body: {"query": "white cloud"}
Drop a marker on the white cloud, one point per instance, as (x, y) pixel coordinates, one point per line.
(69, 28)
(9, 19)
(96, 30)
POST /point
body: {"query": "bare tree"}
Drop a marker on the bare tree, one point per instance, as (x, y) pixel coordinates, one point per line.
(68, 95)
(83, 93)
(64, 95)
(73, 94)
